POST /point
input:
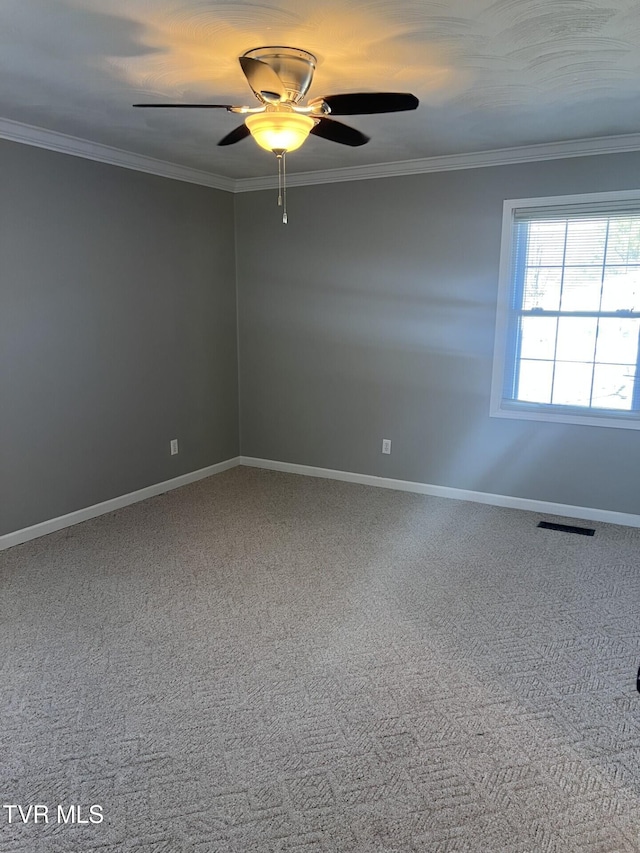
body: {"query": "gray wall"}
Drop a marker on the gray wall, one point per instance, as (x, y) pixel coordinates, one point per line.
(117, 332)
(372, 315)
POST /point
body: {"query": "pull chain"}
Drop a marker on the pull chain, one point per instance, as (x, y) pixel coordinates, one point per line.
(279, 156)
(284, 188)
(282, 182)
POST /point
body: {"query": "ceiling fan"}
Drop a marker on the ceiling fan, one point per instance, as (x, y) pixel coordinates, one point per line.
(280, 78)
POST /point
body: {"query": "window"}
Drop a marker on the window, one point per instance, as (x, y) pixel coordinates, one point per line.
(568, 320)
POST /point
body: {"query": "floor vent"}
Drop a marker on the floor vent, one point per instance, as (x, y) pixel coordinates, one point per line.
(567, 528)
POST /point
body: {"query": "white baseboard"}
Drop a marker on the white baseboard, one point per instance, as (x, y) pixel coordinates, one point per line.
(544, 507)
(45, 527)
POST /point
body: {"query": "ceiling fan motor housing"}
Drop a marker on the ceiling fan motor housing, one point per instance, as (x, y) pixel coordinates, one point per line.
(293, 66)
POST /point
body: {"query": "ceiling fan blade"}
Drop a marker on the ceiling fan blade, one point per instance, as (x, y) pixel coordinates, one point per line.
(367, 103)
(263, 79)
(241, 132)
(335, 131)
(188, 106)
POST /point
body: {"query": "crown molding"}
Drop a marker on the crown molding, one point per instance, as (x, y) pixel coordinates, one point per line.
(450, 162)
(76, 147)
(62, 143)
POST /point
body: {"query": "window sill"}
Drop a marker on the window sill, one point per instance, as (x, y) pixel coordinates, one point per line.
(529, 412)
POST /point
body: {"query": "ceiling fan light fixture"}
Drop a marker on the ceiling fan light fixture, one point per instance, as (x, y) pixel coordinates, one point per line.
(280, 77)
(279, 131)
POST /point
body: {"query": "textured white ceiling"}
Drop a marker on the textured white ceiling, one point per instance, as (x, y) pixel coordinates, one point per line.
(489, 73)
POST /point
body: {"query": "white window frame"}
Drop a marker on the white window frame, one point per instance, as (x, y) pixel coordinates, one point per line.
(501, 408)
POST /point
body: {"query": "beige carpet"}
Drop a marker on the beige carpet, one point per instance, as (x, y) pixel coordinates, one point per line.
(265, 662)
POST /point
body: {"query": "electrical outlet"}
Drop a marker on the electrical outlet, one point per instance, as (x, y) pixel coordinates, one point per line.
(174, 446)
(386, 445)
